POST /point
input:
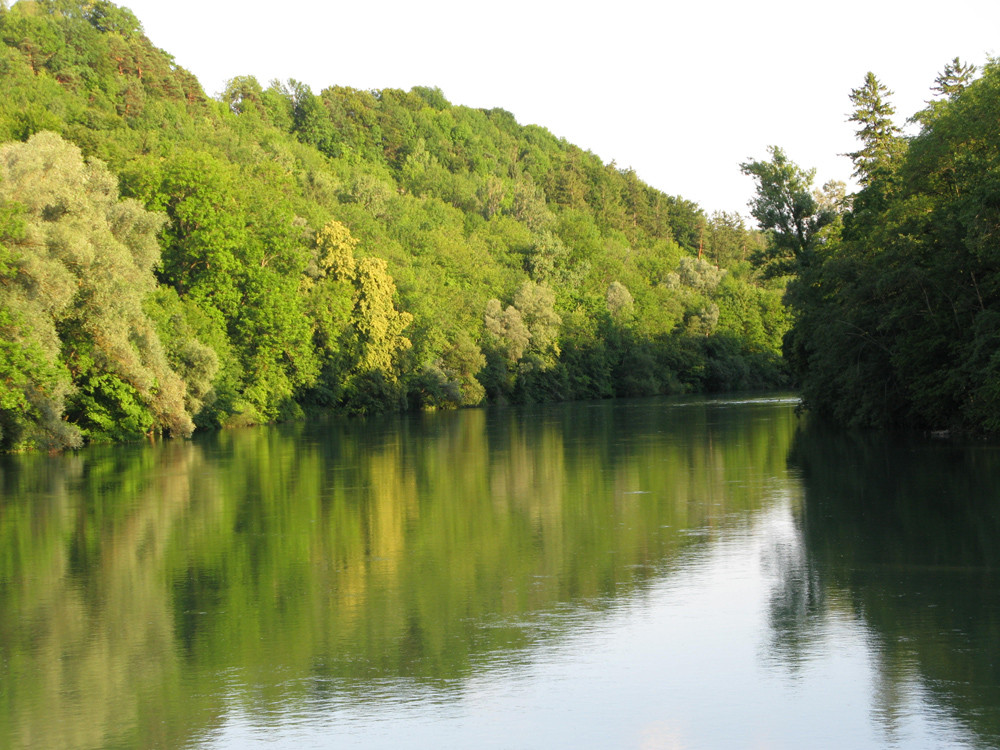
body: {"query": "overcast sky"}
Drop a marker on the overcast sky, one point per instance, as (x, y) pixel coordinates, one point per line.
(681, 92)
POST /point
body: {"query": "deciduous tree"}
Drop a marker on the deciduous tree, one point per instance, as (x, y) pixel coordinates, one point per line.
(786, 207)
(80, 273)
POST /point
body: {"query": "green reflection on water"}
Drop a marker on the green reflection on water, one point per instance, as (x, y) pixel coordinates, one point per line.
(903, 534)
(145, 589)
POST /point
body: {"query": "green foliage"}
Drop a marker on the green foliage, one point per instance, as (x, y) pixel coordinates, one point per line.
(379, 325)
(184, 330)
(281, 249)
(786, 208)
(450, 381)
(900, 325)
(954, 78)
(621, 304)
(951, 82)
(880, 138)
(82, 269)
(728, 242)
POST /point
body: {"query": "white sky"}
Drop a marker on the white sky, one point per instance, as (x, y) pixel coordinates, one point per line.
(681, 92)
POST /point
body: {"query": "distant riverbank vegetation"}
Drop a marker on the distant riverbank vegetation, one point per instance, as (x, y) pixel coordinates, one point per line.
(171, 261)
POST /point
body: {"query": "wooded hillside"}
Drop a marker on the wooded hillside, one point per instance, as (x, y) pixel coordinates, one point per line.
(171, 261)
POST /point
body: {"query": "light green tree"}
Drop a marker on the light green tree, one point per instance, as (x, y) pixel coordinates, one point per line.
(528, 204)
(80, 273)
(536, 303)
(699, 274)
(357, 328)
(621, 305)
(244, 94)
(546, 259)
(451, 379)
(378, 323)
(506, 330)
(335, 251)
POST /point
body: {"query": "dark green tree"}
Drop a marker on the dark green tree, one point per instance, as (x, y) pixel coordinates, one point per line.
(786, 207)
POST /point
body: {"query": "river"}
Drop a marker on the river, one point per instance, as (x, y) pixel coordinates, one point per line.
(663, 573)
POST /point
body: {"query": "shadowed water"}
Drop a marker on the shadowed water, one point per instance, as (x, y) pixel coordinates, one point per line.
(689, 573)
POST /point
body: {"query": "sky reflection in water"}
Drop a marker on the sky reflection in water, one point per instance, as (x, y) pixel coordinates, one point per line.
(691, 661)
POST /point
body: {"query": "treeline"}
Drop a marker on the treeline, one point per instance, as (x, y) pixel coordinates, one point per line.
(171, 261)
(896, 294)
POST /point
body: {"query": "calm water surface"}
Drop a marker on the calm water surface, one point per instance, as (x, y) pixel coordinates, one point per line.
(667, 574)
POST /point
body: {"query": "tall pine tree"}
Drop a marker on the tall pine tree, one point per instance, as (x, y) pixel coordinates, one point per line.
(881, 139)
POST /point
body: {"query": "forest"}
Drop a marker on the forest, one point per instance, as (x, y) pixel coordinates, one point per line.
(171, 261)
(895, 290)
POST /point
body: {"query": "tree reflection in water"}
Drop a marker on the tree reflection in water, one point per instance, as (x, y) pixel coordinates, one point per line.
(146, 591)
(900, 534)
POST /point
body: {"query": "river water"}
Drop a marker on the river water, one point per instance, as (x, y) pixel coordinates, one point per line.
(666, 573)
